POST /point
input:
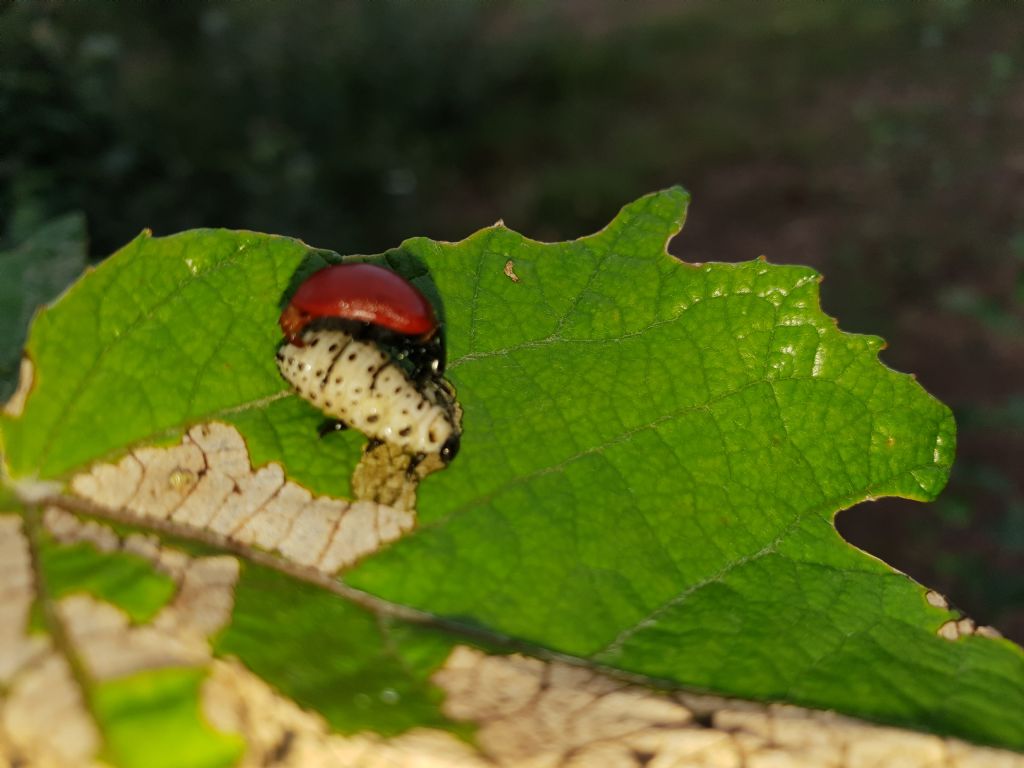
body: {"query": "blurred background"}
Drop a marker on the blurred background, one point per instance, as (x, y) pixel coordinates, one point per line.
(881, 143)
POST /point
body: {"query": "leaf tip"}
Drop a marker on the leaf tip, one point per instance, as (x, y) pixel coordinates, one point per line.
(658, 214)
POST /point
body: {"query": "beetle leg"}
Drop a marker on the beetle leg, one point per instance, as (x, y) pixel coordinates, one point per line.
(414, 461)
(327, 426)
(425, 358)
(374, 442)
(440, 354)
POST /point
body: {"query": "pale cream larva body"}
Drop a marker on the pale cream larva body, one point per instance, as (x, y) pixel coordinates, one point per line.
(360, 384)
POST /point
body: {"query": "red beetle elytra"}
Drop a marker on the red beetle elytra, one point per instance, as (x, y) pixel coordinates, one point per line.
(371, 303)
(362, 292)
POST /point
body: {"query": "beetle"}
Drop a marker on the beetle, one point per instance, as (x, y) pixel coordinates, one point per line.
(370, 303)
(364, 345)
(358, 383)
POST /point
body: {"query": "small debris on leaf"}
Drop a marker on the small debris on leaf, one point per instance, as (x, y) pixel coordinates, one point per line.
(510, 271)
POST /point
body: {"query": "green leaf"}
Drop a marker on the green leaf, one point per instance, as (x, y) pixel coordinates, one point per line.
(206, 301)
(35, 272)
(152, 720)
(125, 580)
(653, 455)
(285, 431)
(385, 688)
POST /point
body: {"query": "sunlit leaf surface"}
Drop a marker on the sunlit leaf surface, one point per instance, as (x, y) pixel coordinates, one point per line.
(653, 454)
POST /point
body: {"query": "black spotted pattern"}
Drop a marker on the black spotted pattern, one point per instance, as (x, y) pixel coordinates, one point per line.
(358, 383)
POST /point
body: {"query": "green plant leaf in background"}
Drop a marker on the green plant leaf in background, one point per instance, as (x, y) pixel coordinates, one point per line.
(653, 455)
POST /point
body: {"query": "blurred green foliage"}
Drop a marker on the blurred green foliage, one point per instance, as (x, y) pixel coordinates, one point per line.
(35, 271)
(878, 142)
(358, 124)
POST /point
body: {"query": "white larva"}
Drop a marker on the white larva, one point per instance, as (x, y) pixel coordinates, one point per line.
(358, 383)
